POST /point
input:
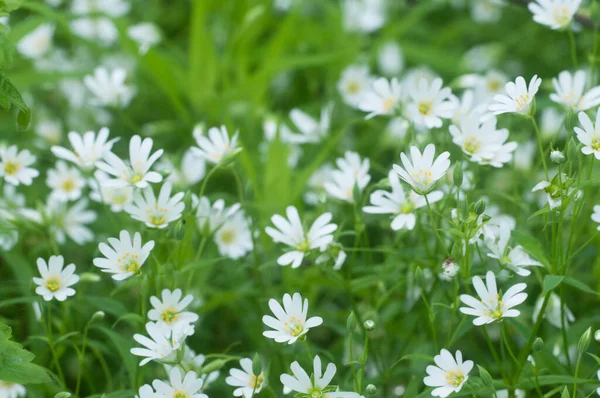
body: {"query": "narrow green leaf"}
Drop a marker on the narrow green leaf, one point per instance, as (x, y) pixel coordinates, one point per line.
(551, 282)
(533, 247)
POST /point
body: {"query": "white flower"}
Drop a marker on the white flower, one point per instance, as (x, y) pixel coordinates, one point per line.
(553, 311)
(334, 253)
(482, 142)
(109, 87)
(125, 257)
(316, 184)
(291, 233)
(449, 268)
(569, 91)
(64, 221)
(315, 385)
(556, 14)
(136, 172)
(234, 238)
(11, 390)
(49, 130)
(66, 182)
(399, 203)
(113, 8)
(246, 382)
(449, 375)
(211, 218)
(421, 171)
(429, 103)
(382, 99)
(354, 82)
(589, 135)
(491, 307)
(191, 361)
(116, 197)
(596, 215)
(290, 321)
(311, 130)
(363, 15)
(352, 172)
(36, 43)
(169, 313)
(145, 34)
(180, 386)
(101, 30)
(514, 258)
(156, 212)
(390, 59)
(519, 96)
(190, 172)
(162, 343)
(216, 146)
(146, 391)
(55, 282)
(14, 166)
(505, 393)
(87, 148)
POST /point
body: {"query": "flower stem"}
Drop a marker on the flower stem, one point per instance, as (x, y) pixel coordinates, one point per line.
(540, 145)
(573, 47)
(433, 225)
(527, 348)
(576, 373)
(51, 345)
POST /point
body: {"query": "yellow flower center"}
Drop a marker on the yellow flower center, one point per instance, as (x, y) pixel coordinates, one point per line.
(472, 145)
(494, 307)
(256, 381)
(425, 108)
(68, 185)
(315, 392)
(561, 15)
(180, 394)
(522, 101)
(228, 236)
(407, 207)
(169, 315)
(135, 178)
(11, 168)
(596, 144)
(294, 326)
(53, 284)
(353, 87)
(129, 262)
(455, 378)
(422, 177)
(303, 246)
(494, 85)
(388, 104)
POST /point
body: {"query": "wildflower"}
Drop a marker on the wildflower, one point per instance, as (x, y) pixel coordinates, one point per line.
(36, 43)
(217, 146)
(400, 204)
(191, 361)
(49, 130)
(87, 148)
(316, 385)
(519, 97)
(429, 103)
(421, 172)
(449, 268)
(55, 282)
(556, 311)
(234, 238)
(311, 130)
(491, 308)
(390, 59)
(247, 383)
(169, 313)
(382, 99)
(113, 8)
(596, 215)
(146, 391)
(363, 15)
(14, 166)
(126, 257)
(290, 321)
(352, 173)
(162, 343)
(109, 88)
(116, 197)
(316, 184)
(145, 35)
(514, 258)
(66, 182)
(291, 233)
(156, 212)
(180, 386)
(99, 29)
(569, 91)
(11, 390)
(354, 82)
(448, 375)
(556, 14)
(136, 172)
(333, 253)
(589, 135)
(190, 172)
(211, 218)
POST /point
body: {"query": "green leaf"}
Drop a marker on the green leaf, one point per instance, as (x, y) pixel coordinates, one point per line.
(15, 366)
(6, 6)
(577, 284)
(10, 95)
(533, 247)
(123, 345)
(551, 282)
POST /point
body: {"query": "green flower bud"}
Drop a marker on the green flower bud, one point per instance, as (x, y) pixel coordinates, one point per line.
(256, 365)
(584, 341)
(486, 378)
(371, 389)
(98, 315)
(479, 207)
(212, 366)
(557, 157)
(369, 325)
(351, 322)
(538, 344)
(63, 394)
(457, 175)
(89, 277)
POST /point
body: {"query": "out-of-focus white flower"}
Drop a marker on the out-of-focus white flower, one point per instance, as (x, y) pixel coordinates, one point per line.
(11, 390)
(124, 257)
(36, 43)
(553, 311)
(191, 361)
(352, 172)
(191, 171)
(596, 215)
(216, 146)
(556, 14)
(87, 148)
(136, 172)
(109, 88)
(397, 128)
(100, 29)
(55, 282)
(589, 135)
(505, 393)
(244, 380)
(211, 218)
(354, 82)
(382, 99)
(524, 155)
(569, 91)
(116, 197)
(311, 130)
(184, 386)
(113, 8)
(145, 34)
(66, 182)
(517, 259)
(429, 103)
(49, 130)
(363, 15)
(399, 204)
(519, 97)
(390, 59)
(486, 11)
(14, 166)
(316, 184)
(234, 238)
(156, 212)
(421, 171)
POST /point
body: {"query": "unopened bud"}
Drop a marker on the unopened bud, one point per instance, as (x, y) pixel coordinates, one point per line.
(584, 341)
(256, 365)
(63, 394)
(179, 230)
(457, 175)
(486, 378)
(214, 365)
(369, 325)
(89, 277)
(98, 315)
(449, 267)
(538, 344)
(479, 207)
(597, 335)
(351, 322)
(371, 389)
(419, 278)
(557, 157)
